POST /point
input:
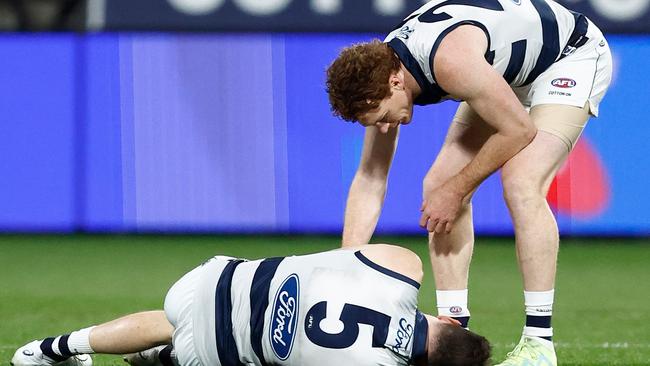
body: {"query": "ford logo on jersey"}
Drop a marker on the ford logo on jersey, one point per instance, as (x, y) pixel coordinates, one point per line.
(404, 334)
(564, 83)
(285, 317)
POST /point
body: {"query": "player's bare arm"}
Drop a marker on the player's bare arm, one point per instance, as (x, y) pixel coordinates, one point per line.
(368, 187)
(461, 70)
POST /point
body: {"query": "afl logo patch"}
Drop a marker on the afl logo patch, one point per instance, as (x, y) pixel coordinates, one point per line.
(564, 83)
(285, 317)
(456, 310)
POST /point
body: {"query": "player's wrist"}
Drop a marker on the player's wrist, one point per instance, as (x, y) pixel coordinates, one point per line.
(459, 185)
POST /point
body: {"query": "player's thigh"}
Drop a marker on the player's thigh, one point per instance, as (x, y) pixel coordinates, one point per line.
(466, 135)
(564, 121)
(533, 168)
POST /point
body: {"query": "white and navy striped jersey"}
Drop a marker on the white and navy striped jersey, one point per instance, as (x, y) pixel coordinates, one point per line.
(525, 37)
(332, 308)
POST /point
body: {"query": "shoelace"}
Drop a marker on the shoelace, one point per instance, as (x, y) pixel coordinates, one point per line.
(519, 349)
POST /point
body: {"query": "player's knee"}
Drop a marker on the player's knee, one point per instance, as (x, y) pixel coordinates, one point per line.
(521, 191)
(429, 184)
(434, 178)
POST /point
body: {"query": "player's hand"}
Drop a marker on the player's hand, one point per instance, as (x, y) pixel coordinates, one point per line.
(440, 208)
(448, 320)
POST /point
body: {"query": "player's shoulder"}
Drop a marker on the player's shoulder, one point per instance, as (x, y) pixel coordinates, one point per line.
(395, 258)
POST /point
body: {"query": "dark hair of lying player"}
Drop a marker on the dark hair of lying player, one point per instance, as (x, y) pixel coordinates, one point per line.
(451, 345)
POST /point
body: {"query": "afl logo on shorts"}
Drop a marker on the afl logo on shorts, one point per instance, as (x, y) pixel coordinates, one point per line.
(285, 317)
(564, 83)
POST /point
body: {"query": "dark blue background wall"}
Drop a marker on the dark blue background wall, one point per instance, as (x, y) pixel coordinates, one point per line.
(629, 16)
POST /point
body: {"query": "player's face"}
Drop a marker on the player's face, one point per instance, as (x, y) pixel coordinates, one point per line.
(395, 110)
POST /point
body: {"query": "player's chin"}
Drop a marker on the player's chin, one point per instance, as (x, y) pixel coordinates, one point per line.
(407, 117)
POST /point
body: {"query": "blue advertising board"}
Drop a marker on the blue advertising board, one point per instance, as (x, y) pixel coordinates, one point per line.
(233, 133)
(37, 133)
(622, 16)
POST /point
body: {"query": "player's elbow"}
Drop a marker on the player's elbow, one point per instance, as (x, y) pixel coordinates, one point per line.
(371, 177)
(374, 168)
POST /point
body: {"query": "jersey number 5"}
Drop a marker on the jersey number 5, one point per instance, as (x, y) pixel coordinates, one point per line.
(351, 317)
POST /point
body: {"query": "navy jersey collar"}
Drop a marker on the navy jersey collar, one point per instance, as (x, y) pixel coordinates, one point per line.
(431, 93)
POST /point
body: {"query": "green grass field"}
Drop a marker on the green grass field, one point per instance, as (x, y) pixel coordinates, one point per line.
(53, 284)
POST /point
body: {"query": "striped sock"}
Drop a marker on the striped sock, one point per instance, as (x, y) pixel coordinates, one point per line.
(64, 346)
(453, 303)
(539, 310)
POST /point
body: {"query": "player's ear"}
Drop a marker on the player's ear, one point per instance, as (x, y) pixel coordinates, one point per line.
(396, 80)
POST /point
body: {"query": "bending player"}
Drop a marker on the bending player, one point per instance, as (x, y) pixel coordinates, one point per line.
(529, 73)
(342, 307)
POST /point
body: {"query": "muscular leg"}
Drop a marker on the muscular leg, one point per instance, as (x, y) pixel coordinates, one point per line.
(132, 333)
(129, 334)
(450, 254)
(526, 180)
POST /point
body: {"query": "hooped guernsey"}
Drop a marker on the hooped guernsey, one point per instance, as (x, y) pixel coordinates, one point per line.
(525, 37)
(298, 311)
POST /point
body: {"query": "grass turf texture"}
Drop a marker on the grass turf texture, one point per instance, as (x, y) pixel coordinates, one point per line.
(54, 284)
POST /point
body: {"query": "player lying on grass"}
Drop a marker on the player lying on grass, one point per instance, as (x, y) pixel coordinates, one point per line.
(342, 307)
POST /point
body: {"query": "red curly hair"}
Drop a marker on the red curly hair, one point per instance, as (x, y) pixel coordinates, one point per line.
(358, 79)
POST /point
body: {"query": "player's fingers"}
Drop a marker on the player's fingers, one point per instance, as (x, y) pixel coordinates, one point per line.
(423, 220)
(448, 227)
(448, 320)
(440, 226)
(431, 225)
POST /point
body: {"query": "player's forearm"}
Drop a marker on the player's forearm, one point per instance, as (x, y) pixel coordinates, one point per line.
(365, 200)
(498, 149)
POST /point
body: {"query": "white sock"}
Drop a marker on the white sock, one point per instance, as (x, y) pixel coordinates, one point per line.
(453, 303)
(79, 341)
(539, 310)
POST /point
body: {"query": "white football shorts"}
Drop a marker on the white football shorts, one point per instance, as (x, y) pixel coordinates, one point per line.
(580, 78)
(186, 298)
